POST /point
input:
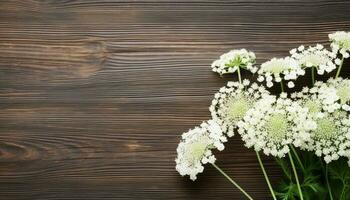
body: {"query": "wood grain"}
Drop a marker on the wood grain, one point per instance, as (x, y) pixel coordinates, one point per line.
(94, 95)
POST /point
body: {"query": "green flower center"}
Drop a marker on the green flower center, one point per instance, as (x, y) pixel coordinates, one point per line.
(345, 44)
(312, 106)
(237, 108)
(196, 150)
(315, 60)
(344, 94)
(326, 129)
(235, 62)
(277, 126)
(276, 67)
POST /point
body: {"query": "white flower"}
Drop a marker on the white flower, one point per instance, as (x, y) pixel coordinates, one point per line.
(195, 148)
(331, 137)
(274, 124)
(234, 59)
(322, 93)
(301, 48)
(316, 56)
(342, 87)
(278, 69)
(232, 102)
(340, 42)
(291, 84)
(335, 94)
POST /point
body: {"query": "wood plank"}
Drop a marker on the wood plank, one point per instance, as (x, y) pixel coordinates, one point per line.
(94, 95)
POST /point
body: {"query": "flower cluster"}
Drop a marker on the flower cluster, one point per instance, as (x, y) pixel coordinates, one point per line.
(274, 124)
(317, 57)
(341, 87)
(331, 137)
(278, 69)
(195, 148)
(340, 42)
(316, 119)
(233, 60)
(232, 102)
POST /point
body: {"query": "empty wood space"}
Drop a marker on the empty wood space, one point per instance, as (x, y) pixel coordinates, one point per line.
(94, 95)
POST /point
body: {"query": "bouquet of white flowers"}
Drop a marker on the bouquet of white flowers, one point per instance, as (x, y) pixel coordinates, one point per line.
(307, 131)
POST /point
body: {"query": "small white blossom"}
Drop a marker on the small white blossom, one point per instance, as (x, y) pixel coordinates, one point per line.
(342, 87)
(274, 124)
(340, 42)
(291, 84)
(195, 148)
(331, 137)
(234, 59)
(335, 94)
(232, 102)
(278, 69)
(337, 61)
(315, 56)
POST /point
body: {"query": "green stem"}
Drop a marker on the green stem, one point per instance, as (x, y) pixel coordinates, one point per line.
(328, 185)
(282, 87)
(339, 68)
(313, 75)
(295, 175)
(284, 169)
(265, 175)
(342, 193)
(239, 75)
(232, 181)
(298, 158)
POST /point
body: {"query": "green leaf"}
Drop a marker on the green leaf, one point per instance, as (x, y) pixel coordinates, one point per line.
(339, 174)
(311, 179)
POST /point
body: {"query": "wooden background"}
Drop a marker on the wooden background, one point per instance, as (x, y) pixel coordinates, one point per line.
(94, 95)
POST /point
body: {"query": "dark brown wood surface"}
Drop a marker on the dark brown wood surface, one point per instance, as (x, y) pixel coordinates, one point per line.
(94, 95)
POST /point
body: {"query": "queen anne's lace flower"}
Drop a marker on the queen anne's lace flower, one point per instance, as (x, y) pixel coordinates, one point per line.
(195, 148)
(331, 137)
(340, 42)
(342, 89)
(273, 124)
(232, 102)
(280, 68)
(333, 95)
(234, 59)
(317, 56)
(320, 96)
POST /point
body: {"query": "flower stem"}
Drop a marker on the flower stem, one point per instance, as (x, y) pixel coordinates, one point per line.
(298, 158)
(265, 175)
(279, 161)
(239, 75)
(339, 68)
(282, 87)
(342, 193)
(296, 176)
(328, 185)
(232, 181)
(313, 75)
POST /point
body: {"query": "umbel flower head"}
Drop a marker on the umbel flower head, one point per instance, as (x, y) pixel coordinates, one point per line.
(331, 137)
(273, 124)
(195, 148)
(232, 102)
(342, 88)
(340, 42)
(317, 56)
(278, 69)
(234, 59)
(333, 94)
